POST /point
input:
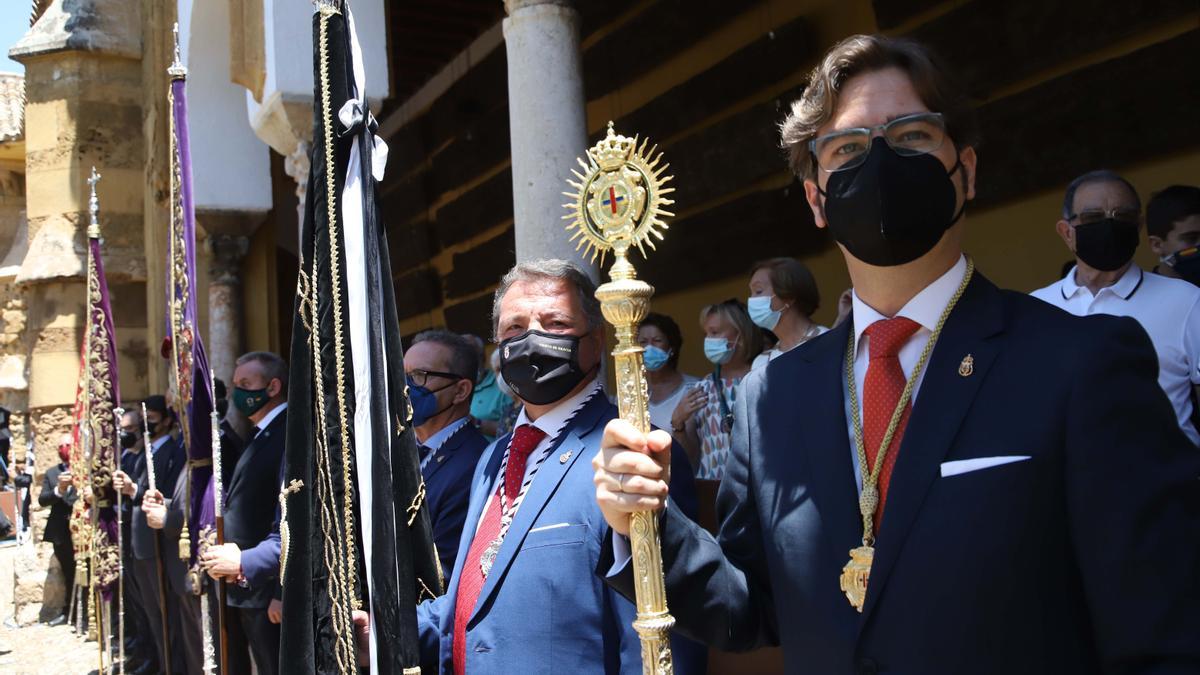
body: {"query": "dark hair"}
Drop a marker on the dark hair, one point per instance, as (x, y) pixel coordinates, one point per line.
(157, 403)
(274, 367)
(860, 54)
(791, 280)
(551, 269)
(464, 357)
(1169, 206)
(1098, 176)
(670, 330)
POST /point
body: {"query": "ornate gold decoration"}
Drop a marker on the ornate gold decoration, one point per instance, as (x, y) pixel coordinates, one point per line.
(618, 204)
(967, 366)
(857, 572)
(285, 534)
(414, 508)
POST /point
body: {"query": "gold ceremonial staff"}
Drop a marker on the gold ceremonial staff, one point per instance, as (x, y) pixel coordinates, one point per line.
(617, 204)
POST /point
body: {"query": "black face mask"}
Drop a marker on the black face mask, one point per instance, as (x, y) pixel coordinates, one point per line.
(1106, 245)
(128, 439)
(541, 367)
(891, 209)
(1187, 265)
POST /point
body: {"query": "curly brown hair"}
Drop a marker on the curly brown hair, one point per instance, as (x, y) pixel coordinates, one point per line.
(860, 54)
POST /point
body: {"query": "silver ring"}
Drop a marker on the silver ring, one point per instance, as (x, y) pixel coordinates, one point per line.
(621, 481)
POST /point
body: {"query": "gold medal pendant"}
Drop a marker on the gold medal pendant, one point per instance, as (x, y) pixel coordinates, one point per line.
(856, 574)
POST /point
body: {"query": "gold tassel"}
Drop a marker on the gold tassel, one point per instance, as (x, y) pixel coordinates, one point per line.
(185, 544)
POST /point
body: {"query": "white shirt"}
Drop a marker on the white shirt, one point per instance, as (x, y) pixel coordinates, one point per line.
(774, 353)
(270, 417)
(926, 309)
(660, 413)
(1169, 311)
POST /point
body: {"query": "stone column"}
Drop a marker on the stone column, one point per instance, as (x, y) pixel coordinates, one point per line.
(225, 302)
(296, 165)
(83, 84)
(548, 124)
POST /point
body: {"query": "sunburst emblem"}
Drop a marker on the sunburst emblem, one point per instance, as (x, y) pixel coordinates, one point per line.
(619, 197)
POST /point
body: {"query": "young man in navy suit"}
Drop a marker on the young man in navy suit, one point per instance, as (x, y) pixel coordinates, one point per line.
(957, 480)
(522, 590)
(441, 368)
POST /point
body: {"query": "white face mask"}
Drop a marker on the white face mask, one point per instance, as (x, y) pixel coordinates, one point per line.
(761, 313)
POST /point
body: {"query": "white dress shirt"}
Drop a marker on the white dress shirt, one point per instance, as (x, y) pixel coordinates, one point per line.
(268, 418)
(1169, 311)
(926, 309)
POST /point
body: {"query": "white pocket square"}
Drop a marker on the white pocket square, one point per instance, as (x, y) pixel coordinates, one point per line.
(549, 527)
(959, 466)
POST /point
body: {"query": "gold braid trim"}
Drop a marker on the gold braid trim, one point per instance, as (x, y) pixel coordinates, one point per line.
(338, 563)
(415, 507)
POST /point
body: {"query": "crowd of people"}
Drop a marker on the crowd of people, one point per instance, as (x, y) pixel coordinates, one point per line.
(1080, 556)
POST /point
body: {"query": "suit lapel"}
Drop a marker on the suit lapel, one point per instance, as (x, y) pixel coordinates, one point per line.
(822, 409)
(945, 396)
(443, 453)
(544, 485)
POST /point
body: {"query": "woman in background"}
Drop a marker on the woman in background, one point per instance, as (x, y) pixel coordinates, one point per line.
(731, 341)
(783, 297)
(661, 342)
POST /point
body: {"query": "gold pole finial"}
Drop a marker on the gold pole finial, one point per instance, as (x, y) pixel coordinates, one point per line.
(177, 69)
(617, 203)
(93, 231)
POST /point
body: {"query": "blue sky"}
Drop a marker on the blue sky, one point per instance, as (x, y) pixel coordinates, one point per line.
(14, 22)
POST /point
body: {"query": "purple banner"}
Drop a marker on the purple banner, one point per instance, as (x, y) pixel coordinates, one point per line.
(193, 400)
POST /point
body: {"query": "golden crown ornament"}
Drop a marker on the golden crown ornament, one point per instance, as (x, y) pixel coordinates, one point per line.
(618, 198)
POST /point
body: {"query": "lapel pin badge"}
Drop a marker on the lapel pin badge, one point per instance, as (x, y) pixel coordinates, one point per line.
(562, 459)
(967, 366)
(439, 458)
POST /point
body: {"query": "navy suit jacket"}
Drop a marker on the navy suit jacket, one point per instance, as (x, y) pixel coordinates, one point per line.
(448, 489)
(542, 609)
(251, 502)
(1084, 558)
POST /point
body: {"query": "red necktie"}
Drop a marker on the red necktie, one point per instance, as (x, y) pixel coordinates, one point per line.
(882, 388)
(470, 578)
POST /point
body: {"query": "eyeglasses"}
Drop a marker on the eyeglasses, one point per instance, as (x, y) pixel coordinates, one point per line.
(1090, 216)
(909, 136)
(421, 377)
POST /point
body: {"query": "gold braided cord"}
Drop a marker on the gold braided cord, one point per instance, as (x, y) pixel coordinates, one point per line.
(868, 500)
(415, 507)
(340, 567)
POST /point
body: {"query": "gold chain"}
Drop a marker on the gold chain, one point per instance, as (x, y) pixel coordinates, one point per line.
(868, 499)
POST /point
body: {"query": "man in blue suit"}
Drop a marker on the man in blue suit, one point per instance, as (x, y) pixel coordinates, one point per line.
(441, 368)
(523, 592)
(958, 480)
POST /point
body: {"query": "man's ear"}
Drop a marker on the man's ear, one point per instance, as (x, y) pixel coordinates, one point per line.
(969, 160)
(274, 388)
(815, 202)
(1157, 245)
(463, 390)
(1067, 233)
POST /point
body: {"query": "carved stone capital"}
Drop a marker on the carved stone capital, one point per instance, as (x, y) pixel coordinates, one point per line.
(511, 6)
(226, 253)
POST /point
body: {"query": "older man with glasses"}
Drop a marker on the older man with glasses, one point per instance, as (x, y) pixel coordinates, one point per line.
(441, 368)
(1101, 224)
